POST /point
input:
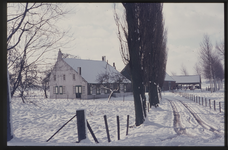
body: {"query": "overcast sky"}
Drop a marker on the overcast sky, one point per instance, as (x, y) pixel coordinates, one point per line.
(95, 31)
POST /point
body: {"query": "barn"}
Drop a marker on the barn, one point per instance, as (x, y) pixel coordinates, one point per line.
(187, 81)
(169, 83)
(77, 78)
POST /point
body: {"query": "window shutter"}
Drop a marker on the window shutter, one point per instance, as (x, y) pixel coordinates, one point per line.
(53, 89)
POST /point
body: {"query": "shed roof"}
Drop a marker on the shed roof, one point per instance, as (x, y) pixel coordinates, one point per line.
(90, 69)
(168, 78)
(187, 79)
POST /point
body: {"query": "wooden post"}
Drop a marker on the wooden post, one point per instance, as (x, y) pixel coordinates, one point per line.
(196, 99)
(202, 100)
(106, 126)
(91, 131)
(148, 106)
(118, 127)
(214, 105)
(206, 102)
(81, 125)
(199, 100)
(210, 103)
(127, 124)
(220, 106)
(60, 128)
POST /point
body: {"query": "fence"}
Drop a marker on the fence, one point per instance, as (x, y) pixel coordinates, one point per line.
(82, 123)
(203, 101)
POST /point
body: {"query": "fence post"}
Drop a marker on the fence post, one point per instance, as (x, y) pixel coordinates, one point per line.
(210, 103)
(148, 106)
(220, 106)
(60, 128)
(202, 100)
(214, 105)
(106, 126)
(196, 99)
(206, 102)
(118, 127)
(91, 131)
(199, 100)
(127, 124)
(81, 124)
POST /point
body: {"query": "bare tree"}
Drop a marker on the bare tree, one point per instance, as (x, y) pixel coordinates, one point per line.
(107, 79)
(197, 69)
(173, 73)
(45, 78)
(32, 31)
(65, 55)
(183, 70)
(220, 49)
(209, 62)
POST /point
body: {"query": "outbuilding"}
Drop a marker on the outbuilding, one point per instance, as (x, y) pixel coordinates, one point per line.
(187, 81)
(169, 83)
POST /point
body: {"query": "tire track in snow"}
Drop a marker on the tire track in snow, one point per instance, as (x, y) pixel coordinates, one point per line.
(199, 120)
(178, 128)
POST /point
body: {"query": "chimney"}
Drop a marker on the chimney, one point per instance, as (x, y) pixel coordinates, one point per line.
(59, 55)
(103, 58)
(114, 65)
(79, 70)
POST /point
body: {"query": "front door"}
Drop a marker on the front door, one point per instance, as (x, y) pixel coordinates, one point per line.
(78, 91)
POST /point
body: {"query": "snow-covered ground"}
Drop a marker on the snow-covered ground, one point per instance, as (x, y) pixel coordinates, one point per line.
(192, 124)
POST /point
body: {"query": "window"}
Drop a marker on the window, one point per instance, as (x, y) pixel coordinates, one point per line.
(106, 91)
(91, 90)
(54, 77)
(60, 90)
(78, 89)
(125, 88)
(64, 77)
(98, 90)
(56, 90)
(73, 76)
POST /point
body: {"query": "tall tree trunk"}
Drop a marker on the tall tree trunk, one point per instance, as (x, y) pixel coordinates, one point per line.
(135, 66)
(45, 93)
(153, 95)
(9, 123)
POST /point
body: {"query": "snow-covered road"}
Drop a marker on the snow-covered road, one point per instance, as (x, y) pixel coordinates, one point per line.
(176, 122)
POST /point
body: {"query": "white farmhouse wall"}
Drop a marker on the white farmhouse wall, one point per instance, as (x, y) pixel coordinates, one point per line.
(60, 69)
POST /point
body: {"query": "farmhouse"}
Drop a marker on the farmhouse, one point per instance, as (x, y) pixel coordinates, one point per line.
(188, 81)
(77, 78)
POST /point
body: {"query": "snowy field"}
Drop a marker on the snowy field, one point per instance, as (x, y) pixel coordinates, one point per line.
(192, 124)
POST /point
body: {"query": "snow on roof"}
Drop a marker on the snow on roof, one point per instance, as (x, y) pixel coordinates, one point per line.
(187, 79)
(90, 69)
(168, 78)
